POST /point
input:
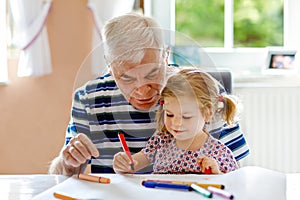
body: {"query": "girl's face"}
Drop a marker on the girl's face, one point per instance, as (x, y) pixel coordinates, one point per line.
(182, 117)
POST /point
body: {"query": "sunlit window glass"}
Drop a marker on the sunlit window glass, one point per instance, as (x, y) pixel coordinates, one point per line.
(258, 23)
(201, 20)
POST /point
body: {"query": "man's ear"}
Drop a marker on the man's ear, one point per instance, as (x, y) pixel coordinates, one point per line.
(108, 66)
(167, 54)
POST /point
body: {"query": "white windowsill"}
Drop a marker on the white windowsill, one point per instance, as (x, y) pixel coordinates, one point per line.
(267, 81)
(246, 65)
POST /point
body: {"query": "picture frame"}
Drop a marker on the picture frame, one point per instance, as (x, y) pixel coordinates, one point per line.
(280, 62)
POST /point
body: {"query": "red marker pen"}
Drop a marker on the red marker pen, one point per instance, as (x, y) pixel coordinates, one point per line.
(126, 149)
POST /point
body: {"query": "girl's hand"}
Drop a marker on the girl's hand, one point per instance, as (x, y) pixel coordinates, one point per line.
(121, 163)
(207, 163)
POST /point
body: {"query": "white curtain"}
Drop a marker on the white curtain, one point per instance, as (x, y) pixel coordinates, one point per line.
(102, 11)
(3, 46)
(29, 17)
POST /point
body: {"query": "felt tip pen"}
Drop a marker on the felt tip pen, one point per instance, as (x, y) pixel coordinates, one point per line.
(92, 178)
(63, 197)
(221, 193)
(204, 185)
(201, 191)
(207, 171)
(166, 185)
(126, 149)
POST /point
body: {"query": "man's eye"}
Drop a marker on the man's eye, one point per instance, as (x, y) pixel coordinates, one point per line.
(127, 79)
(186, 117)
(153, 74)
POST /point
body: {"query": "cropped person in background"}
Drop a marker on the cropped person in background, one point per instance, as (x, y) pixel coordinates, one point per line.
(125, 100)
(282, 61)
(182, 144)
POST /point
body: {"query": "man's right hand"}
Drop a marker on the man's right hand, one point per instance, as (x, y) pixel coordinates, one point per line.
(78, 151)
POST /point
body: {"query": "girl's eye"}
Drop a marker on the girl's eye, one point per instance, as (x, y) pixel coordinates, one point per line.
(169, 115)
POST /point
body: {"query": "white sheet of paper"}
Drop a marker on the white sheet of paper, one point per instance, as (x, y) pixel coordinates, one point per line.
(245, 183)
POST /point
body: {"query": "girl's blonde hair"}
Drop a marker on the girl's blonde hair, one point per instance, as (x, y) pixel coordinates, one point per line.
(199, 84)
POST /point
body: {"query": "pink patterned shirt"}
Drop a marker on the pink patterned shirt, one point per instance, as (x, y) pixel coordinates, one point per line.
(161, 150)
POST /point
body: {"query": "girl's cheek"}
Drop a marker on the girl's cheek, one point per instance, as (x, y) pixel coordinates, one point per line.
(167, 123)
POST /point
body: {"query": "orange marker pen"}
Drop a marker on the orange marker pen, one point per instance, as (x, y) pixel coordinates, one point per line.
(97, 179)
(63, 197)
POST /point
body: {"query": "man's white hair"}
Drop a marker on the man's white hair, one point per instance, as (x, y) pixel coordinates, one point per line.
(128, 36)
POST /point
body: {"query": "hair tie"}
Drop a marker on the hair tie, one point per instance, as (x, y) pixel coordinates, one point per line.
(220, 98)
(161, 102)
(220, 103)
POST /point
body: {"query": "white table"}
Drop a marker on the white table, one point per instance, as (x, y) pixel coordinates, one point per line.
(246, 183)
(292, 186)
(25, 187)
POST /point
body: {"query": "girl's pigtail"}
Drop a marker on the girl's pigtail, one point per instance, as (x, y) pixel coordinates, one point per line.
(227, 106)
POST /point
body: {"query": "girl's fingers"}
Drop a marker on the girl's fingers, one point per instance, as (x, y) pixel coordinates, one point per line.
(208, 165)
(122, 163)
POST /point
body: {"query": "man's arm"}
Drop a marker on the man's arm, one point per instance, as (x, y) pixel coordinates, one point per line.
(234, 139)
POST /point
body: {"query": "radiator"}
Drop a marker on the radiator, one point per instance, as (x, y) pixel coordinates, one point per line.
(270, 120)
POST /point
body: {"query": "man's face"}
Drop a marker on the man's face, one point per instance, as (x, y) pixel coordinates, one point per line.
(141, 83)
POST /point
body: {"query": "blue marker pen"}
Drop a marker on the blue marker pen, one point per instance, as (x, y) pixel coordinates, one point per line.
(166, 185)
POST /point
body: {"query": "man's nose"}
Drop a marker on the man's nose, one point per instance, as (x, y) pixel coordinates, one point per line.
(143, 89)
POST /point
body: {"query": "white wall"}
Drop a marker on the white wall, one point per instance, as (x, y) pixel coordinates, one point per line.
(292, 28)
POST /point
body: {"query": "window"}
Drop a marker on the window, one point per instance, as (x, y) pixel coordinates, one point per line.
(231, 23)
(244, 56)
